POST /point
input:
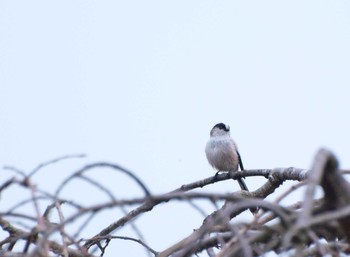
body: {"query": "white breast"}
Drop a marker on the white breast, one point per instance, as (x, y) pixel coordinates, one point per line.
(222, 154)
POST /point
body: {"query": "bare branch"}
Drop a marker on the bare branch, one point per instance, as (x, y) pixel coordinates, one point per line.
(104, 165)
(305, 227)
(45, 164)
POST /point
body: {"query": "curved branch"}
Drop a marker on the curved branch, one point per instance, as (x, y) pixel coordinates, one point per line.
(104, 165)
(42, 165)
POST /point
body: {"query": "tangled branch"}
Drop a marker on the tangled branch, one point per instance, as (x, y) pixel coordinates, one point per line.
(307, 227)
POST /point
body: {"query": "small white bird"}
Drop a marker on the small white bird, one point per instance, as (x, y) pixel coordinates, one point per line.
(222, 152)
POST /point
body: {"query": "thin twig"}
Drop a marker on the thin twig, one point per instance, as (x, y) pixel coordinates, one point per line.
(45, 164)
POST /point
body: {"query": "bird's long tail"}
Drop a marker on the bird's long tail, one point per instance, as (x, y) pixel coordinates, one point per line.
(240, 180)
(242, 184)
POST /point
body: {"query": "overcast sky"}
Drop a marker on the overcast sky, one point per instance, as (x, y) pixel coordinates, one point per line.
(141, 83)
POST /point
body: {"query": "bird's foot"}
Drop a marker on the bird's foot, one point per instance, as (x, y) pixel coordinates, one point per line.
(217, 174)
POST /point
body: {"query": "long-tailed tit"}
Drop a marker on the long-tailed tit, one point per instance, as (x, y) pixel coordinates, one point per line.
(222, 152)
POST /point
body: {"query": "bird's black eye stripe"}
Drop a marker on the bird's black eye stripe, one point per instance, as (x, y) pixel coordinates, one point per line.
(221, 126)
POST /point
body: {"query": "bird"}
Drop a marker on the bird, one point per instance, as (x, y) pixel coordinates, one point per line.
(222, 152)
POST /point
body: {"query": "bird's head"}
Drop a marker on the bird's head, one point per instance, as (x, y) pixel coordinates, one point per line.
(220, 129)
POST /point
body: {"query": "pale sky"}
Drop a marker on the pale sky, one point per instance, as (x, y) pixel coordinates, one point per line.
(141, 83)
